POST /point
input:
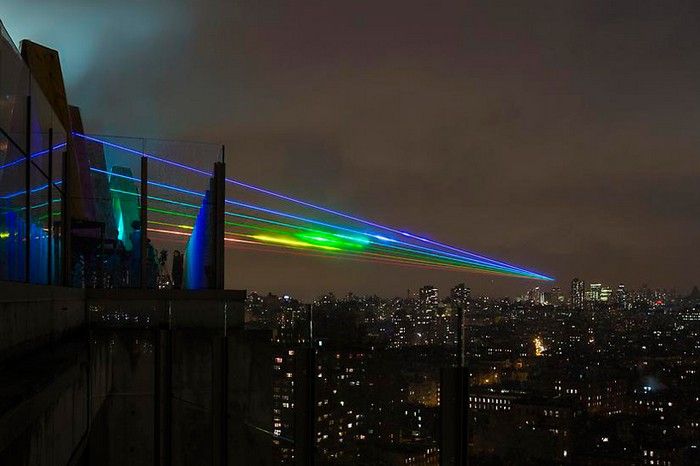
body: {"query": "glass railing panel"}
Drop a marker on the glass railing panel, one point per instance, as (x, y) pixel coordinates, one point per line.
(12, 212)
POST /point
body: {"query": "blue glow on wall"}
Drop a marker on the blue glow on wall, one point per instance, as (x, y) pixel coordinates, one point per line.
(196, 256)
(13, 249)
(38, 254)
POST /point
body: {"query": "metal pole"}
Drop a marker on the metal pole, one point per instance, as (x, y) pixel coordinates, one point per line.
(144, 221)
(27, 182)
(49, 194)
(157, 397)
(463, 403)
(224, 401)
(218, 196)
(88, 407)
(167, 394)
(311, 395)
(219, 397)
(66, 258)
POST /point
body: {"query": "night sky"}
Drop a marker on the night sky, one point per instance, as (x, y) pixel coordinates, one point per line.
(564, 137)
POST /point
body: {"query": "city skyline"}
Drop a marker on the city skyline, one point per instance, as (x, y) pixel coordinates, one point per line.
(575, 297)
(545, 148)
(611, 381)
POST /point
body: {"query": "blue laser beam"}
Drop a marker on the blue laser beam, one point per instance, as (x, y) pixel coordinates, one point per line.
(33, 156)
(32, 191)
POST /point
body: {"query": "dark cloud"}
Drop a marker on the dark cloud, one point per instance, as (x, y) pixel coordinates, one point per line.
(560, 135)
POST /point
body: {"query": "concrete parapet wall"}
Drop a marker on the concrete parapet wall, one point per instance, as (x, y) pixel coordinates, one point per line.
(45, 428)
(135, 308)
(34, 315)
(130, 377)
(45, 415)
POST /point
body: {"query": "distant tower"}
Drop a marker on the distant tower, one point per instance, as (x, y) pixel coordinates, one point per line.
(428, 296)
(460, 294)
(621, 296)
(578, 289)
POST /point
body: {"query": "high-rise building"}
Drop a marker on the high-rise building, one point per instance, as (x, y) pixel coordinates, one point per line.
(341, 403)
(621, 296)
(577, 293)
(606, 293)
(594, 292)
(426, 314)
(283, 402)
(536, 296)
(428, 296)
(460, 294)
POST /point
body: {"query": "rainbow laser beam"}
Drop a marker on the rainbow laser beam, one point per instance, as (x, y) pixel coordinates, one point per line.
(242, 184)
(398, 258)
(436, 258)
(290, 241)
(429, 251)
(402, 259)
(432, 256)
(473, 260)
(366, 257)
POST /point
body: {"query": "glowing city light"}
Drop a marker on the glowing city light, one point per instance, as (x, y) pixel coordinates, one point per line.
(539, 346)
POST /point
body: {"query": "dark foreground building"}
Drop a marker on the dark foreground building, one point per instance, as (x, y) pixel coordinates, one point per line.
(103, 360)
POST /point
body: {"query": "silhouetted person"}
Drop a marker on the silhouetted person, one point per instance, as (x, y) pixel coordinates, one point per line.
(178, 268)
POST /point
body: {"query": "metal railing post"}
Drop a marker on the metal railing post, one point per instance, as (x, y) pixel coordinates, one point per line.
(49, 195)
(144, 222)
(27, 181)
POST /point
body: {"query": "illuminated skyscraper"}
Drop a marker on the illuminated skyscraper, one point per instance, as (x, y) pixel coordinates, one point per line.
(428, 296)
(577, 293)
(594, 292)
(536, 296)
(426, 314)
(621, 296)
